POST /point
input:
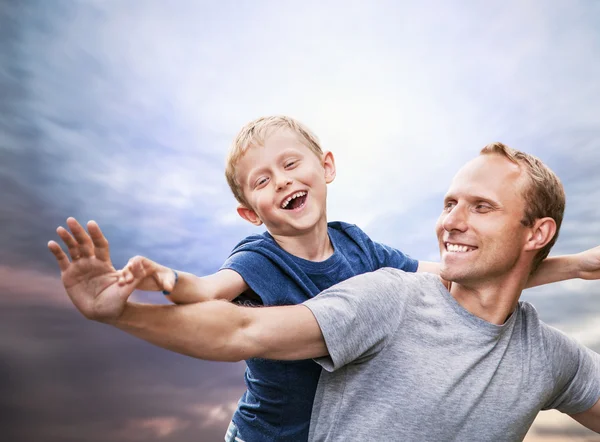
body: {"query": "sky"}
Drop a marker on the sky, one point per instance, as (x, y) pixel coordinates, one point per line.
(123, 111)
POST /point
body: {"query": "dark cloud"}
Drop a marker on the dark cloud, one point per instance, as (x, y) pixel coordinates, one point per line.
(62, 372)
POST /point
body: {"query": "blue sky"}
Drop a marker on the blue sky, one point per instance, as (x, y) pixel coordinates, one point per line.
(122, 112)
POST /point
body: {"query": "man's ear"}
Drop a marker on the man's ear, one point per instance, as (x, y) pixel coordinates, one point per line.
(329, 166)
(249, 215)
(542, 232)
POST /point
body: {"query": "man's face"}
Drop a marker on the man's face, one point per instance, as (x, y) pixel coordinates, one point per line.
(479, 231)
(285, 184)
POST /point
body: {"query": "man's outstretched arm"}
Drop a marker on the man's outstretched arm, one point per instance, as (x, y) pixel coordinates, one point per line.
(222, 331)
(590, 418)
(215, 330)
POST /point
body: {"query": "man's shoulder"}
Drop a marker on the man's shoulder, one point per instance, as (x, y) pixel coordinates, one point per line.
(538, 329)
(529, 314)
(408, 281)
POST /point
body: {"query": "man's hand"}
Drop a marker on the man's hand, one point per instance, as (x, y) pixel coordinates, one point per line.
(89, 277)
(588, 263)
(151, 275)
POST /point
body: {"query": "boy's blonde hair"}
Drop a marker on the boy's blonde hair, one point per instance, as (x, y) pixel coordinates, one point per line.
(544, 193)
(255, 134)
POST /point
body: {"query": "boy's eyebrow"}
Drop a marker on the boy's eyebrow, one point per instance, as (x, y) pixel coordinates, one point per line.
(253, 173)
(258, 171)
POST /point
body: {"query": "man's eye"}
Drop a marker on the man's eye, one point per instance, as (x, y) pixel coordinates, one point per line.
(449, 205)
(483, 207)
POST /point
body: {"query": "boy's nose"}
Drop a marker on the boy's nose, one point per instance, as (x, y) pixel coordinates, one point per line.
(283, 182)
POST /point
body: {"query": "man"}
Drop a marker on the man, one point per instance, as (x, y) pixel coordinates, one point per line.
(404, 358)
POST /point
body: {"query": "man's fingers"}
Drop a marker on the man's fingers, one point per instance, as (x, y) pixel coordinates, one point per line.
(61, 257)
(86, 247)
(99, 240)
(70, 242)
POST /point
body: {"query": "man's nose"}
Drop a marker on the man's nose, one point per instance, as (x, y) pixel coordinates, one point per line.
(456, 219)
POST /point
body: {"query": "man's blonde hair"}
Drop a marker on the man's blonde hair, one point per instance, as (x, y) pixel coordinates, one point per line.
(255, 134)
(544, 193)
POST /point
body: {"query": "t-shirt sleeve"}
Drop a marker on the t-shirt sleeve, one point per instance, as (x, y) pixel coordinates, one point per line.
(259, 273)
(357, 317)
(576, 372)
(383, 255)
(391, 257)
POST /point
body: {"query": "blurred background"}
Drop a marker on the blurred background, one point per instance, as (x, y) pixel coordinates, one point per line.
(122, 112)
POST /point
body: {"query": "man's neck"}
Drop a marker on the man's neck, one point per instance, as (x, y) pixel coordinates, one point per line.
(493, 300)
(313, 245)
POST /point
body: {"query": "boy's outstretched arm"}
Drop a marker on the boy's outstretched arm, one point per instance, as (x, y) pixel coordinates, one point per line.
(214, 330)
(584, 265)
(188, 288)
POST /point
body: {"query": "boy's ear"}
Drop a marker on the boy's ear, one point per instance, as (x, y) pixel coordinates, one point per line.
(329, 166)
(542, 232)
(249, 215)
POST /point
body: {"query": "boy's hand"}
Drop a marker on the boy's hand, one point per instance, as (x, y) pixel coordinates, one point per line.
(151, 275)
(89, 277)
(588, 263)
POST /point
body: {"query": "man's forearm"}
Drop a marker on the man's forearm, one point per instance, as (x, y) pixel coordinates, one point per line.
(222, 331)
(554, 269)
(209, 330)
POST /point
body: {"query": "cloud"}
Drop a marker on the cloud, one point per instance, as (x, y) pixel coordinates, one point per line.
(123, 114)
(153, 428)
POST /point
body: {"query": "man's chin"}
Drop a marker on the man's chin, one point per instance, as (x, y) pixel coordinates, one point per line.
(452, 275)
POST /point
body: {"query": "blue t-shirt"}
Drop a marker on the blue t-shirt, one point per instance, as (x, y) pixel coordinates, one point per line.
(278, 401)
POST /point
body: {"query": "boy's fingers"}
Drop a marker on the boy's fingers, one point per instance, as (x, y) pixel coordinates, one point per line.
(121, 278)
(137, 269)
(99, 240)
(128, 274)
(86, 247)
(61, 257)
(70, 242)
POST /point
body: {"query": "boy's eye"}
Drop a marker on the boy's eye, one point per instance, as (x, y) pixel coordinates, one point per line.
(290, 164)
(260, 181)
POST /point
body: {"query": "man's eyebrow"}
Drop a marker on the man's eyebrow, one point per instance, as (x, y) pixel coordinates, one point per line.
(487, 199)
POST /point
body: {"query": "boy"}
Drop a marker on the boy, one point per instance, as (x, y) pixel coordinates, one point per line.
(279, 174)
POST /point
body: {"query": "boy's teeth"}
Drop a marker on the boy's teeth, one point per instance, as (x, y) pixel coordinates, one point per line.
(291, 197)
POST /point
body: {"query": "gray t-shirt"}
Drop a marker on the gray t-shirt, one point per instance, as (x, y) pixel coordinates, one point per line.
(407, 362)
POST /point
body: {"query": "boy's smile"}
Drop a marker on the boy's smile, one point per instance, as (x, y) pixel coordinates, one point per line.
(285, 185)
(295, 201)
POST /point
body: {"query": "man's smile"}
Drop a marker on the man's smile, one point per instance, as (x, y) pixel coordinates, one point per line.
(458, 248)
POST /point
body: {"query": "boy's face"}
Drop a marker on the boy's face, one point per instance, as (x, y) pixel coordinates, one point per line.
(285, 184)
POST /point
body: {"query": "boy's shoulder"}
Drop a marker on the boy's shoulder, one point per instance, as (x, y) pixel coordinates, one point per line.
(345, 227)
(255, 241)
(349, 231)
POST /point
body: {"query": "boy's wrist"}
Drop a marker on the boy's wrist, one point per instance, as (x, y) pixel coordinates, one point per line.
(165, 292)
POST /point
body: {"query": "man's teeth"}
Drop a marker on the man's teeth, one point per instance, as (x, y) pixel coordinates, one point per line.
(291, 197)
(457, 248)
